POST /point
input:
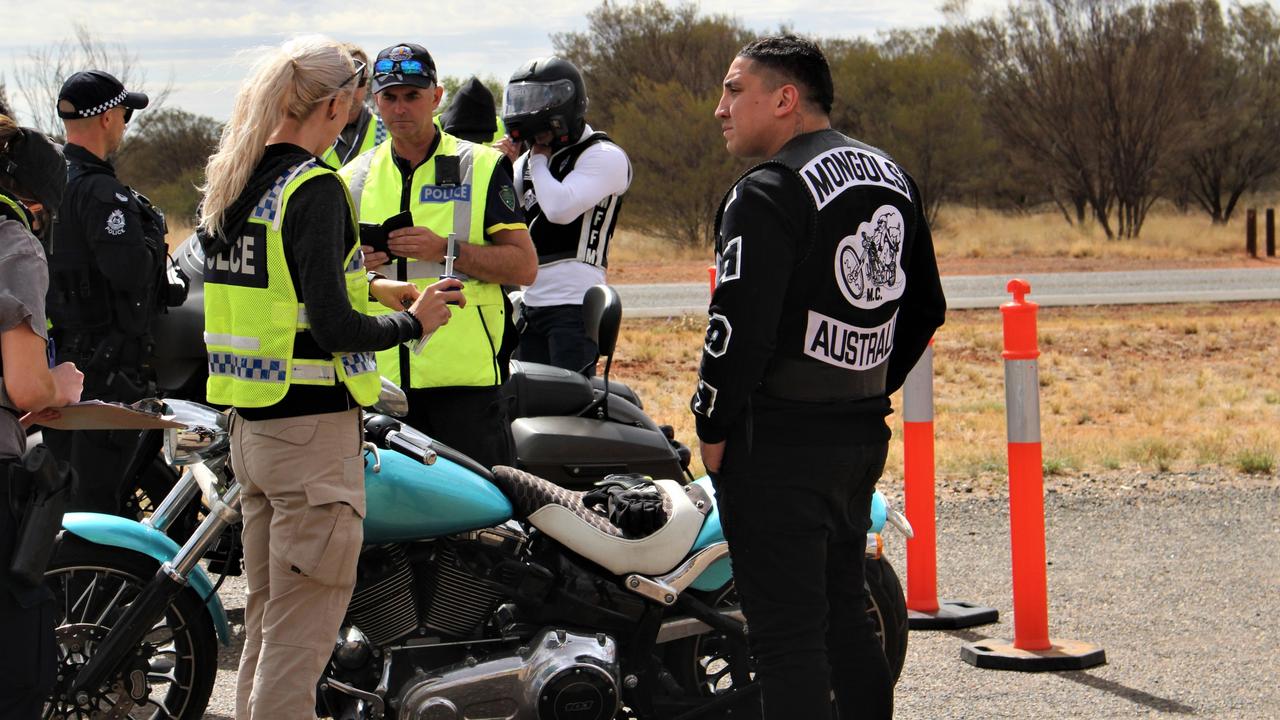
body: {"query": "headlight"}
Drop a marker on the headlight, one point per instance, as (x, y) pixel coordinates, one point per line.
(204, 435)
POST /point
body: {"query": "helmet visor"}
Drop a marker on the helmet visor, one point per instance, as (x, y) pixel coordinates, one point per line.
(527, 98)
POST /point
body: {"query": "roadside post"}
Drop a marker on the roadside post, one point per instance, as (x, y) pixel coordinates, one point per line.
(1271, 232)
(1032, 649)
(1251, 232)
(924, 612)
(711, 275)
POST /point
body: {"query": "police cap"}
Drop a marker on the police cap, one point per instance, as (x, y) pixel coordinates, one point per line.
(93, 92)
(403, 64)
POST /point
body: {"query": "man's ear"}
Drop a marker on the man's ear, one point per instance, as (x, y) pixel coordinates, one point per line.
(788, 100)
(438, 93)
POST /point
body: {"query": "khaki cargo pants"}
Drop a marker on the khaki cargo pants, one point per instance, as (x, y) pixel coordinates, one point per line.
(302, 481)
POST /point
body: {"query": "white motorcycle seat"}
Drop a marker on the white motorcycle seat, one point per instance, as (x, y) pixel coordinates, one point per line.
(561, 514)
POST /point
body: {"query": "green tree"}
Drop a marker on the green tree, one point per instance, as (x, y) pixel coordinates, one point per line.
(912, 95)
(653, 74)
(678, 177)
(164, 155)
(1235, 112)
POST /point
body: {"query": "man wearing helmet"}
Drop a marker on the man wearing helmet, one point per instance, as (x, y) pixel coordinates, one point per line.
(570, 180)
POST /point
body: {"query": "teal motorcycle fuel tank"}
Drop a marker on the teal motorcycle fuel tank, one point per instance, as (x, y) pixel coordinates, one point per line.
(406, 500)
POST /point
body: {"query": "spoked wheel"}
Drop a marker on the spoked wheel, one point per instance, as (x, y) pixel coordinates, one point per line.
(710, 666)
(169, 677)
(706, 663)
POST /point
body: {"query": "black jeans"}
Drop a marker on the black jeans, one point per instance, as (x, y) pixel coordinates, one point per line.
(471, 420)
(556, 335)
(796, 519)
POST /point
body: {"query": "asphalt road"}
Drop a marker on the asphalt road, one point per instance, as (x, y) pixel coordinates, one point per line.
(1048, 289)
(1180, 587)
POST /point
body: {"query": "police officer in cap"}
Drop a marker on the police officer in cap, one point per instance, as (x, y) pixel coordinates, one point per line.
(827, 294)
(108, 280)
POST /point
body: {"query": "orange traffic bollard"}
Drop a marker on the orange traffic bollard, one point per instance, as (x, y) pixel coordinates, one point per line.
(1031, 649)
(924, 612)
(711, 273)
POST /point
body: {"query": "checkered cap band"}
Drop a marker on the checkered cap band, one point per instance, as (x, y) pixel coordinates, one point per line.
(103, 107)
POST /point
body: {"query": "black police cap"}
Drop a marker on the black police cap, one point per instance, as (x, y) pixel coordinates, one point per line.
(36, 166)
(399, 53)
(93, 92)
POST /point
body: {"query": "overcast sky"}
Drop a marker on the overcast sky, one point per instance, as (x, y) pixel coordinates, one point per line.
(198, 45)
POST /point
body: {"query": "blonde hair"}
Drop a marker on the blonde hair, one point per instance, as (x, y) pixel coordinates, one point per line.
(8, 131)
(287, 82)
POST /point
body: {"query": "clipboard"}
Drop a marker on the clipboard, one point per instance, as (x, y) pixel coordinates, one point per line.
(98, 415)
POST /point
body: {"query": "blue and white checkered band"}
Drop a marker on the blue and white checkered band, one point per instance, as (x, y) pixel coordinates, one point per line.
(103, 106)
(267, 207)
(247, 368)
(358, 363)
(379, 132)
(400, 53)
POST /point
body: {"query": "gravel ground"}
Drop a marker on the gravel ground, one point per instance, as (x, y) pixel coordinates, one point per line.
(1175, 575)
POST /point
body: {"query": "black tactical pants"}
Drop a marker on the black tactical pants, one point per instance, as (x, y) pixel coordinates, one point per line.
(28, 664)
(796, 519)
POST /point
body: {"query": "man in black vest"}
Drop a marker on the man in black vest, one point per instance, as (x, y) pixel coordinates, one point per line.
(570, 182)
(107, 282)
(827, 294)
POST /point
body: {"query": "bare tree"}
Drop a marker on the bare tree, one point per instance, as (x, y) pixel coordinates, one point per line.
(1099, 94)
(40, 79)
(1236, 111)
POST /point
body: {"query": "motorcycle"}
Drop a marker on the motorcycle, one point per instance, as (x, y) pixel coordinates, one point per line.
(479, 594)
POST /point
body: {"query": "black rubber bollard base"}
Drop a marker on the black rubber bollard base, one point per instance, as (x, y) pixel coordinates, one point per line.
(1062, 655)
(952, 615)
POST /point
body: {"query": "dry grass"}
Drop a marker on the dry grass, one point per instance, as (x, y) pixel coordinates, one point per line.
(969, 241)
(1155, 387)
(967, 233)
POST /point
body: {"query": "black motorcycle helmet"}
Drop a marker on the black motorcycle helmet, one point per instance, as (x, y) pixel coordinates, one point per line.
(545, 94)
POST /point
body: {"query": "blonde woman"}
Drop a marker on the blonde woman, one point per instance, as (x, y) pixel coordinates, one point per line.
(32, 177)
(292, 352)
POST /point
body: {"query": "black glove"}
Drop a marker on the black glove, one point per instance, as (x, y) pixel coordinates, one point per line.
(637, 511)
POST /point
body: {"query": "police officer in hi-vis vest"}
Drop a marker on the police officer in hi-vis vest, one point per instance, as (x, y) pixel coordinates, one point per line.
(291, 350)
(107, 282)
(422, 187)
(827, 293)
(363, 130)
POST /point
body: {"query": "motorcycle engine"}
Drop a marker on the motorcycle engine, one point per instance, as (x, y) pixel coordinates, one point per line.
(560, 675)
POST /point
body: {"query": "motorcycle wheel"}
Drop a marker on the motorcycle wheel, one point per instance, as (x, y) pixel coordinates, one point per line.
(702, 662)
(887, 606)
(92, 586)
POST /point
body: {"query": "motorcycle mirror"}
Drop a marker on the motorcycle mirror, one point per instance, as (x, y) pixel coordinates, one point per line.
(392, 400)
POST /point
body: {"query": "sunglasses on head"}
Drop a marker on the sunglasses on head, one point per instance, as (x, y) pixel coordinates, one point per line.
(386, 66)
(359, 73)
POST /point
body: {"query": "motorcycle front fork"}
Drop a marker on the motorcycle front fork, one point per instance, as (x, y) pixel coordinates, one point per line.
(143, 613)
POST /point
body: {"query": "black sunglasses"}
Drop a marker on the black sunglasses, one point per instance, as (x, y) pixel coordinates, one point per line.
(359, 73)
(128, 114)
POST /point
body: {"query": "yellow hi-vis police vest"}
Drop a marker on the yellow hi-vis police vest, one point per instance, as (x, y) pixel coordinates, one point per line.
(463, 352)
(372, 132)
(252, 315)
(18, 211)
